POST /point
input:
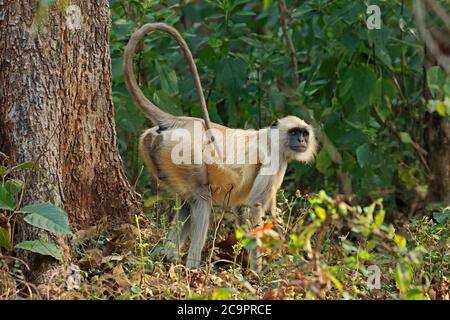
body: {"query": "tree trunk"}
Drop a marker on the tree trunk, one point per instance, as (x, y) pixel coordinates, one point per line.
(56, 105)
(437, 138)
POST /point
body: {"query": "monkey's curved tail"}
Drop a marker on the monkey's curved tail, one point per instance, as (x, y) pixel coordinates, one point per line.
(155, 114)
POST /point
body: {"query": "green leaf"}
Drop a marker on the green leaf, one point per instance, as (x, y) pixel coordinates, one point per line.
(343, 136)
(215, 42)
(414, 294)
(26, 165)
(405, 137)
(14, 186)
(245, 13)
(383, 55)
(42, 247)
(440, 108)
(349, 162)
(5, 241)
(345, 85)
(298, 12)
(239, 234)
(169, 80)
(363, 85)
(49, 217)
(222, 294)
(350, 41)
(251, 41)
(436, 79)
(321, 213)
(250, 244)
(7, 200)
(403, 277)
(235, 3)
(232, 74)
(447, 87)
(3, 171)
(400, 241)
(167, 102)
(266, 4)
(323, 162)
(379, 218)
(150, 201)
(384, 93)
(362, 155)
(441, 217)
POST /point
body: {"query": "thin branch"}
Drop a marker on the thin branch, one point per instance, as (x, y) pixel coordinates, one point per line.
(15, 258)
(420, 151)
(293, 58)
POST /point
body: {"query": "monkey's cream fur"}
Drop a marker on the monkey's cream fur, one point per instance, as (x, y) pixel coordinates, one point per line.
(204, 185)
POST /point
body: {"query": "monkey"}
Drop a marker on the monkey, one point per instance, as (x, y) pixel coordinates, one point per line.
(213, 181)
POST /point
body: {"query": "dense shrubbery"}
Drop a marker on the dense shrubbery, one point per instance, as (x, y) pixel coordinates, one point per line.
(361, 88)
(316, 248)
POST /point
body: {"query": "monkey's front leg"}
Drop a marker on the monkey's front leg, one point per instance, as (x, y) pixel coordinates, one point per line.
(260, 200)
(257, 220)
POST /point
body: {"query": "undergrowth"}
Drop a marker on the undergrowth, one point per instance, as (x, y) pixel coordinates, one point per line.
(315, 247)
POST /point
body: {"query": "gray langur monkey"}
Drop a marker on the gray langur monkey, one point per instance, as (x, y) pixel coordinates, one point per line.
(204, 184)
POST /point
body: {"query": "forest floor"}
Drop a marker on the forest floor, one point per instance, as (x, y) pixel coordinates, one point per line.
(315, 248)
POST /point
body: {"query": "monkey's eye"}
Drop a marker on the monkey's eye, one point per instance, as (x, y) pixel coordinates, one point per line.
(299, 132)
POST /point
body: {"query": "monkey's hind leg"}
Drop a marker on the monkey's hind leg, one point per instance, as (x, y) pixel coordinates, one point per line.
(201, 210)
(178, 233)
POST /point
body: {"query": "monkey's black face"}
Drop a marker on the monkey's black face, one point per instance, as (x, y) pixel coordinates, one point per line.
(298, 139)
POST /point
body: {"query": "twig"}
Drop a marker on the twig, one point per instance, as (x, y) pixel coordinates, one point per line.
(214, 239)
(284, 25)
(420, 151)
(15, 258)
(137, 179)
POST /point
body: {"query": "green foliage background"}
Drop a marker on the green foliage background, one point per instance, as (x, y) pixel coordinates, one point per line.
(361, 88)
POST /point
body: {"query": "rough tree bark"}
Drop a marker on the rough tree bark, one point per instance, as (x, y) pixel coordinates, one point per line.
(437, 133)
(437, 138)
(56, 104)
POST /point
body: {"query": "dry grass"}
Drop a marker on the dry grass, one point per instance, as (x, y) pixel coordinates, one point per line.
(124, 264)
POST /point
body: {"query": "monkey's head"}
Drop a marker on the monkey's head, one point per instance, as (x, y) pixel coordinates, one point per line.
(297, 139)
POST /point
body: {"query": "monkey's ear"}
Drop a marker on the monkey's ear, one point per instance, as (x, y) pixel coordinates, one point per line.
(274, 124)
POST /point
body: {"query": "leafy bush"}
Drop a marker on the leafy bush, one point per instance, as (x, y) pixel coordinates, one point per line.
(314, 247)
(337, 250)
